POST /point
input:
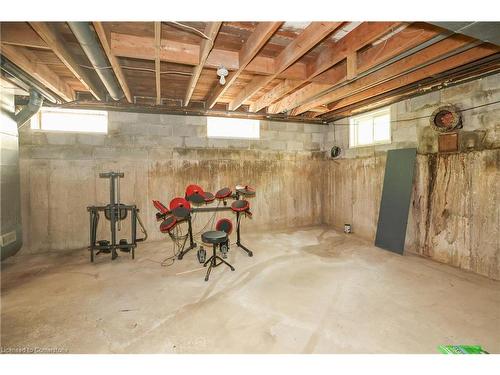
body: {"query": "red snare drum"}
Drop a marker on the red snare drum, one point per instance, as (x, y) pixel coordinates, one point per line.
(224, 225)
(195, 194)
(245, 190)
(240, 206)
(194, 189)
(209, 197)
(179, 202)
(168, 224)
(223, 193)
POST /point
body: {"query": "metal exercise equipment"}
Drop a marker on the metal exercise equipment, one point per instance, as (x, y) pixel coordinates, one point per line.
(115, 212)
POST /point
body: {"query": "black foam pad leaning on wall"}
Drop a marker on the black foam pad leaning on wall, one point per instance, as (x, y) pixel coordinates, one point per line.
(395, 203)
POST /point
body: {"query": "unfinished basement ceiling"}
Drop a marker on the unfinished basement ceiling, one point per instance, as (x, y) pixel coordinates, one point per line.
(308, 71)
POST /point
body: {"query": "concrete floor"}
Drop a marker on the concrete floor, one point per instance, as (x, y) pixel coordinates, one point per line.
(312, 290)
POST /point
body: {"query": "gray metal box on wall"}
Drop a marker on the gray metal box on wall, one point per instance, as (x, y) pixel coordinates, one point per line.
(10, 189)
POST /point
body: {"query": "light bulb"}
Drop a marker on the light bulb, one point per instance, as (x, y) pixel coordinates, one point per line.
(222, 80)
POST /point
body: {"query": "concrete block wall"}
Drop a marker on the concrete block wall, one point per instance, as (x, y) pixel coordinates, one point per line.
(455, 196)
(161, 155)
(410, 125)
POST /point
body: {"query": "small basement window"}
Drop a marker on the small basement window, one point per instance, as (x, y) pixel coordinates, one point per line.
(232, 128)
(370, 128)
(70, 120)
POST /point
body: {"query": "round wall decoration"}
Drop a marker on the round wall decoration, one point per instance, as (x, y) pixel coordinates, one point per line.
(446, 119)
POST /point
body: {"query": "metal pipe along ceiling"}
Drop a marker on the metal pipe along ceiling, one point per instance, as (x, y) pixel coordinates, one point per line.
(87, 38)
(27, 80)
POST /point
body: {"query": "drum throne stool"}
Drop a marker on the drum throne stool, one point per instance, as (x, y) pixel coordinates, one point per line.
(215, 237)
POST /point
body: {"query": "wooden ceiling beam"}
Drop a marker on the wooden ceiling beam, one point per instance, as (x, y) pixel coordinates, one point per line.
(21, 34)
(453, 76)
(140, 47)
(211, 31)
(280, 90)
(113, 60)
(137, 47)
(262, 33)
(27, 61)
(410, 37)
(406, 39)
(352, 65)
(334, 75)
(157, 26)
(320, 109)
(305, 41)
(290, 101)
(390, 72)
(58, 46)
(362, 35)
(444, 65)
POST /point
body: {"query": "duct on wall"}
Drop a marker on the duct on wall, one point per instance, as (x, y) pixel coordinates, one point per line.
(87, 38)
(485, 31)
(30, 109)
(11, 238)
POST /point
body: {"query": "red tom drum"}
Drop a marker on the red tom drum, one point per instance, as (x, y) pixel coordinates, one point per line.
(223, 193)
(245, 190)
(209, 197)
(168, 224)
(179, 202)
(240, 206)
(224, 225)
(194, 189)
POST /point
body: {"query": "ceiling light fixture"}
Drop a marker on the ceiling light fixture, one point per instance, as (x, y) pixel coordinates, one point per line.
(222, 73)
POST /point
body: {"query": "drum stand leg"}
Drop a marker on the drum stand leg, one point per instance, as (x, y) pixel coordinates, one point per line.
(238, 238)
(192, 244)
(213, 263)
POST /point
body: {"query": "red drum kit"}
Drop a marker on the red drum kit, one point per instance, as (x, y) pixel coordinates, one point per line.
(197, 200)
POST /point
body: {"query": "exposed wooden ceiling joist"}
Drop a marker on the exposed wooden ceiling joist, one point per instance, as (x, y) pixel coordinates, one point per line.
(361, 36)
(115, 64)
(292, 100)
(312, 35)
(399, 69)
(358, 38)
(473, 70)
(402, 41)
(27, 61)
(336, 75)
(448, 63)
(253, 45)
(211, 31)
(21, 34)
(285, 71)
(283, 88)
(411, 36)
(55, 42)
(157, 26)
(140, 47)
